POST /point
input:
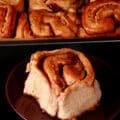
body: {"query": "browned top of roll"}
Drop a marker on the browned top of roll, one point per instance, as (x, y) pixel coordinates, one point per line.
(101, 17)
(43, 23)
(7, 21)
(60, 24)
(55, 5)
(62, 67)
(18, 4)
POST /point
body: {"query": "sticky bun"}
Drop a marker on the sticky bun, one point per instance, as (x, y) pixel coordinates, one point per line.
(18, 4)
(63, 82)
(7, 21)
(101, 19)
(55, 5)
(42, 23)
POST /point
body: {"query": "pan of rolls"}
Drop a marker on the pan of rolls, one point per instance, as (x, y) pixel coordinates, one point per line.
(39, 19)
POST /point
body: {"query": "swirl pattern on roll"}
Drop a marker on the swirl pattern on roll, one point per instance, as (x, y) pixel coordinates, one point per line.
(63, 67)
(102, 18)
(55, 5)
(18, 4)
(63, 82)
(7, 21)
(43, 23)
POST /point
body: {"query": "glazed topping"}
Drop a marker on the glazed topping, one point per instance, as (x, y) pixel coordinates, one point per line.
(7, 21)
(47, 24)
(62, 68)
(9, 1)
(3, 12)
(55, 5)
(101, 17)
(67, 5)
(18, 4)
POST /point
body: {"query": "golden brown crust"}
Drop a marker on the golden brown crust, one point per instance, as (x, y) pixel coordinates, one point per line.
(67, 77)
(38, 25)
(98, 19)
(55, 5)
(63, 67)
(7, 21)
(66, 5)
(101, 19)
(44, 23)
(83, 34)
(47, 24)
(23, 28)
(18, 4)
(38, 5)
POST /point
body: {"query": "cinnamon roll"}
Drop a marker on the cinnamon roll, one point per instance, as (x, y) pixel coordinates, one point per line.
(101, 19)
(42, 23)
(38, 5)
(55, 5)
(18, 4)
(7, 21)
(63, 82)
(23, 30)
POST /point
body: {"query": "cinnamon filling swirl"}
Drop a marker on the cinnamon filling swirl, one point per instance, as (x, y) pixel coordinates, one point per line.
(41, 23)
(18, 4)
(63, 69)
(101, 17)
(55, 5)
(7, 21)
(63, 82)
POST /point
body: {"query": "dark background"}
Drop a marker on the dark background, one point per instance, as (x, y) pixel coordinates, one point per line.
(12, 54)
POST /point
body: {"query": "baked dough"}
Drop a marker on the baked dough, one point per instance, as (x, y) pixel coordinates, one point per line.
(55, 5)
(7, 21)
(43, 23)
(18, 4)
(101, 19)
(63, 82)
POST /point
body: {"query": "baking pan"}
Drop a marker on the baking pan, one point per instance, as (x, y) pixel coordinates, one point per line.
(104, 57)
(51, 41)
(100, 19)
